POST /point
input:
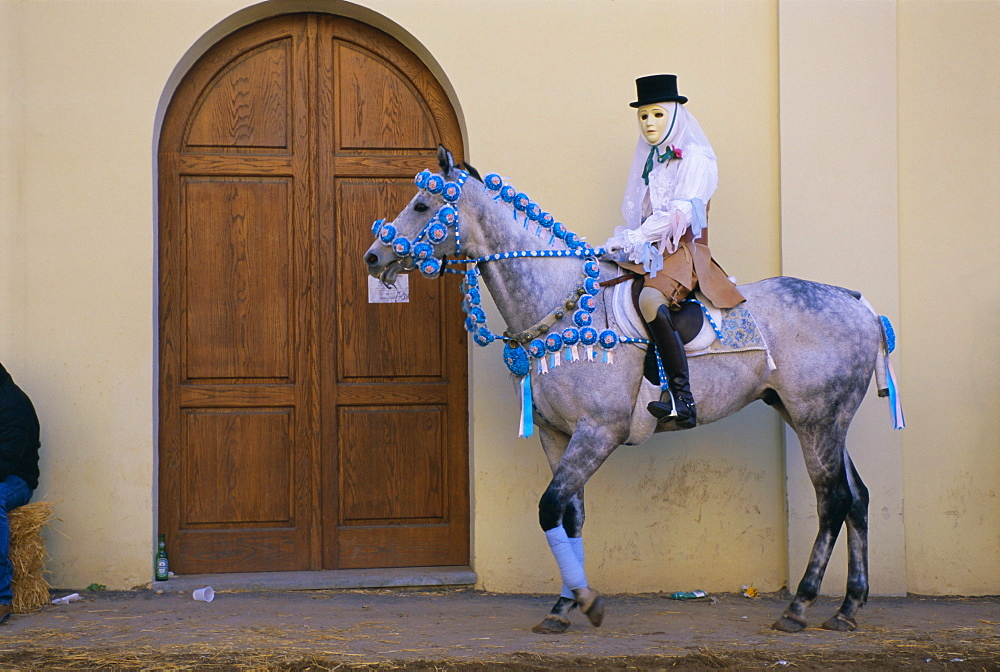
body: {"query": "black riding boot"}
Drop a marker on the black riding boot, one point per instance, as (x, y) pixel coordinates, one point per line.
(675, 365)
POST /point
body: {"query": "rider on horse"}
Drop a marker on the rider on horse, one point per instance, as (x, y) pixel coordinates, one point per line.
(665, 237)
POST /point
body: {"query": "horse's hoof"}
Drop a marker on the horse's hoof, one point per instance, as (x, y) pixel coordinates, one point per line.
(591, 605)
(552, 625)
(789, 624)
(840, 623)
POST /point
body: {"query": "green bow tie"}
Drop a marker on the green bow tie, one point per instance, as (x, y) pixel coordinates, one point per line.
(668, 154)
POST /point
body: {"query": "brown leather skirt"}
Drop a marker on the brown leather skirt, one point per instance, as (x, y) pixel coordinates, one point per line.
(690, 266)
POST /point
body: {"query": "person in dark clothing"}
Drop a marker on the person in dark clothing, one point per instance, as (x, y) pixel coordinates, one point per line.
(18, 470)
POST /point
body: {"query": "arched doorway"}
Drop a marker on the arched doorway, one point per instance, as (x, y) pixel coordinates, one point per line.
(303, 426)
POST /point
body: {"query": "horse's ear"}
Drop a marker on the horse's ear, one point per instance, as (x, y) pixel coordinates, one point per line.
(445, 160)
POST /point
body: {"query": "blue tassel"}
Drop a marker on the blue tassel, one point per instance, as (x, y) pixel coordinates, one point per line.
(527, 409)
(895, 407)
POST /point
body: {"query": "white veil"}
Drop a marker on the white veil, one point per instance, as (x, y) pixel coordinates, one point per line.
(678, 191)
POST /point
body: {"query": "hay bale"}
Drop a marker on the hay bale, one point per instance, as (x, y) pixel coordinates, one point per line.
(27, 556)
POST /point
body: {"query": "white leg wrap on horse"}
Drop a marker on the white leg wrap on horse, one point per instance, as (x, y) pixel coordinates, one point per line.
(570, 567)
(577, 544)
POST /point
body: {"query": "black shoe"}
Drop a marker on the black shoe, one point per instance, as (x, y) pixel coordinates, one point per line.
(686, 415)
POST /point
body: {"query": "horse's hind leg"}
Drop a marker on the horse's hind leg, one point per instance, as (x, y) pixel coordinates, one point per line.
(857, 548)
(840, 496)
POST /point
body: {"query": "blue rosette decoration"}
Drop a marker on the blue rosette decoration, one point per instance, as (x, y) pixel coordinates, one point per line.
(437, 232)
(573, 240)
(387, 233)
(430, 267)
(507, 194)
(434, 184)
(470, 323)
(537, 348)
(546, 220)
(591, 268)
(553, 342)
(421, 179)
(592, 286)
(516, 359)
(451, 192)
(588, 303)
(538, 351)
(423, 251)
(559, 230)
(582, 318)
(401, 246)
(377, 226)
(493, 182)
(608, 340)
(521, 202)
(588, 337)
(483, 337)
(447, 215)
(473, 296)
(571, 337)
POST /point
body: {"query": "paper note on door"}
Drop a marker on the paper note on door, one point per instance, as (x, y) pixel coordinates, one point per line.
(398, 293)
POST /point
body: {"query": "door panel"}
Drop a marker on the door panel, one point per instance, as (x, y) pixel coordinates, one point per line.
(238, 259)
(247, 104)
(372, 458)
(242, 473)
(381, 108)
(386, 340)
(300, 426)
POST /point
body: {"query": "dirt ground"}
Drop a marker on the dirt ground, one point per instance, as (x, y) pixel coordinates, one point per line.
(472, 630)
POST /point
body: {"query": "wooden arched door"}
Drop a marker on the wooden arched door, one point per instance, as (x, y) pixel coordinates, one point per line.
(301, 425)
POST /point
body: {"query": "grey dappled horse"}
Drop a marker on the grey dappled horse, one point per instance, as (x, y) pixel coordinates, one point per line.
(824, 341)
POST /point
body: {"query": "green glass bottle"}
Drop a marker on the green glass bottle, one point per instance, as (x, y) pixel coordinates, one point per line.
(160, 561)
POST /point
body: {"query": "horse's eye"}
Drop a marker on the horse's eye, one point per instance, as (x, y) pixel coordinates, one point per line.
(420, 207)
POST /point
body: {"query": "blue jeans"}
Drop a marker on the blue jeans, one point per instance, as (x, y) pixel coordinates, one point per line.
(14, 492)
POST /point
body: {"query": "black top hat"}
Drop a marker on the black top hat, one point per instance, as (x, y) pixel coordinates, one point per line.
(657, 89)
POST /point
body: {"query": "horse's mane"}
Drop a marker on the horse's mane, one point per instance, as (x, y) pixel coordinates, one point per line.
(472, 171)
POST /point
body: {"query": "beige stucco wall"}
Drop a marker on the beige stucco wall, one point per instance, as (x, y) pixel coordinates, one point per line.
(543, 89)
(949, 207)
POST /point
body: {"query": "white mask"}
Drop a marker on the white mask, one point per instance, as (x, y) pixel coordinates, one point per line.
(656, 120)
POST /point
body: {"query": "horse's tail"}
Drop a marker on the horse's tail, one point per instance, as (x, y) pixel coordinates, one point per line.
(885, 378)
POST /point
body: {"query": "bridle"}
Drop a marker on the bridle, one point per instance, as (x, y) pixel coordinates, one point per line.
(538, 342)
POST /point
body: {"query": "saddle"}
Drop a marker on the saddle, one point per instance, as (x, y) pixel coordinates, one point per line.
(688, 321)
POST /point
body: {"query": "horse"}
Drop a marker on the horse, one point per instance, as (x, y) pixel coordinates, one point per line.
(823, 343)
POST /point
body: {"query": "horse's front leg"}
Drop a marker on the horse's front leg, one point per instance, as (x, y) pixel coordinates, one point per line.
(557, 621)
(561, 516)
